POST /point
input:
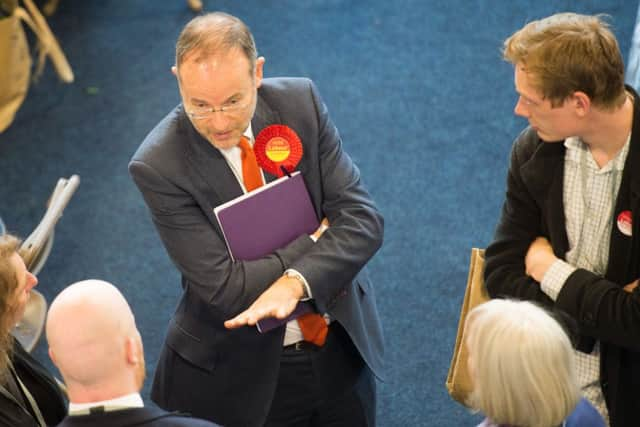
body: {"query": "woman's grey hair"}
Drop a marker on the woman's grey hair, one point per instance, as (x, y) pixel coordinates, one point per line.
(521, 364)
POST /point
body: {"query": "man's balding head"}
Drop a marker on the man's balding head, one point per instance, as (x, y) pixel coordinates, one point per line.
(94, 342)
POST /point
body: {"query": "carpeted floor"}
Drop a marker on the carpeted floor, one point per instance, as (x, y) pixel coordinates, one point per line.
(424, 105)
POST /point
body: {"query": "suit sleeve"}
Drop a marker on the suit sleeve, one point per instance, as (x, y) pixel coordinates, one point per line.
(200, 253)
(518, 226)
(356, 227)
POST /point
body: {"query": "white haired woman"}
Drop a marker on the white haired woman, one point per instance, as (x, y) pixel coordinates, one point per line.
(522, 367)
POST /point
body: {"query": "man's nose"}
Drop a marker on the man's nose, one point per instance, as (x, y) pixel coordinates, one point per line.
(219, 120)
(32, 280)
(520, 108)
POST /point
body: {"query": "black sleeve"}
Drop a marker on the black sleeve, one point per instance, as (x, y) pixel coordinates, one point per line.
(519, 224)
(41, 384)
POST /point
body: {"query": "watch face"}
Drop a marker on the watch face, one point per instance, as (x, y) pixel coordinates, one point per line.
(294, 275)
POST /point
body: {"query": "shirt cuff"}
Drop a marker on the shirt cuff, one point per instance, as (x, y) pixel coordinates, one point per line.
(322, 228)
(295, 273)
(555, 278)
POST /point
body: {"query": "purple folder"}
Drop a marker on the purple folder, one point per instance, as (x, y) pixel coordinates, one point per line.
(268, 218)
(269, 323)
(263, 220)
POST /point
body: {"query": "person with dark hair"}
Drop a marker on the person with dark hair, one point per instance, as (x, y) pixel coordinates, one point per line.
(29, 395)
(317, 369)
(569, 234)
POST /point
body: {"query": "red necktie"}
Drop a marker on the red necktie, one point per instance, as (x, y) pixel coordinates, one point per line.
(250, 170)
(314, 328)
(312, 325)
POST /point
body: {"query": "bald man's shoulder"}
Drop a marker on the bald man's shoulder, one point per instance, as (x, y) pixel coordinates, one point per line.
(176, 419)
(139, 417)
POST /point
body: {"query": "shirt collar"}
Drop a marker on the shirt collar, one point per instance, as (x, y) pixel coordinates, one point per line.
(248, 133)
(132, 400)
(575, 145)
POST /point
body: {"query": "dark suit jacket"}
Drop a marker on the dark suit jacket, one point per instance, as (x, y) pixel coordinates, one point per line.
(230, 376)
(42, 387)
(134, 417)
(600, 307)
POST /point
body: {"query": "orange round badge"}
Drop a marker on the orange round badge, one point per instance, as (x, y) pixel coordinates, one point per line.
(278, 146)
(277, 149)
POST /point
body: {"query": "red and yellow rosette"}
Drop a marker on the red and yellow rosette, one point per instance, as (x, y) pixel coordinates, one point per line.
(278, 146)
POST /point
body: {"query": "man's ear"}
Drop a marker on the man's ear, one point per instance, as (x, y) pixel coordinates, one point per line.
(259, 70)
(581, 103)
(131, 350)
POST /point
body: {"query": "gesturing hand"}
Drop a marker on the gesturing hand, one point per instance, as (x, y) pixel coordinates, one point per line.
(279, 300)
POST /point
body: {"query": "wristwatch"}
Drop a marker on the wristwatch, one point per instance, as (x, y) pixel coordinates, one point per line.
(294, 274)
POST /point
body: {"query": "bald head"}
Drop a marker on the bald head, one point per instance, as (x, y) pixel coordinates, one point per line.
(94, 342)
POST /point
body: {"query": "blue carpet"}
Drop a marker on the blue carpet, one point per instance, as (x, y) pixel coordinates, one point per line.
(424, 104)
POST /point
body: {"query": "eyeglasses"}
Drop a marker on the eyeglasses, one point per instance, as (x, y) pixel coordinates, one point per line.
(198, 113)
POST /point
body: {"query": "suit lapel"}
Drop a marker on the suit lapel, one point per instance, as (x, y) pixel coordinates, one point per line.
(621, 246)
(263, 117)
(211, 167)
(622, 268)
(544, 175)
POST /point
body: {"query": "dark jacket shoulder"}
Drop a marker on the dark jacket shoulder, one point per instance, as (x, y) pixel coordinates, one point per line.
(528, 144)
(41, 384)
(135, 417)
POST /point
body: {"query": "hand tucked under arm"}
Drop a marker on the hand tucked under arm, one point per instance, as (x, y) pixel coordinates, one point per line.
(539, 258)
(279, 300)
(323, 226)
(631, 286)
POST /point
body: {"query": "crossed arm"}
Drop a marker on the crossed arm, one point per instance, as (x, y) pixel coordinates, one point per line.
(540, 257)
(279, 300)
(521, 254)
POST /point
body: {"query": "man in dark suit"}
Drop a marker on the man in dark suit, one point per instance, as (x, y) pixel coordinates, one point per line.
(94, 342)
(569, 235)
(215, 364)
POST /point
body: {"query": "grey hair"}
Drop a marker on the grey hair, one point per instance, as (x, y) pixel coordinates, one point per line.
(522, 364)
